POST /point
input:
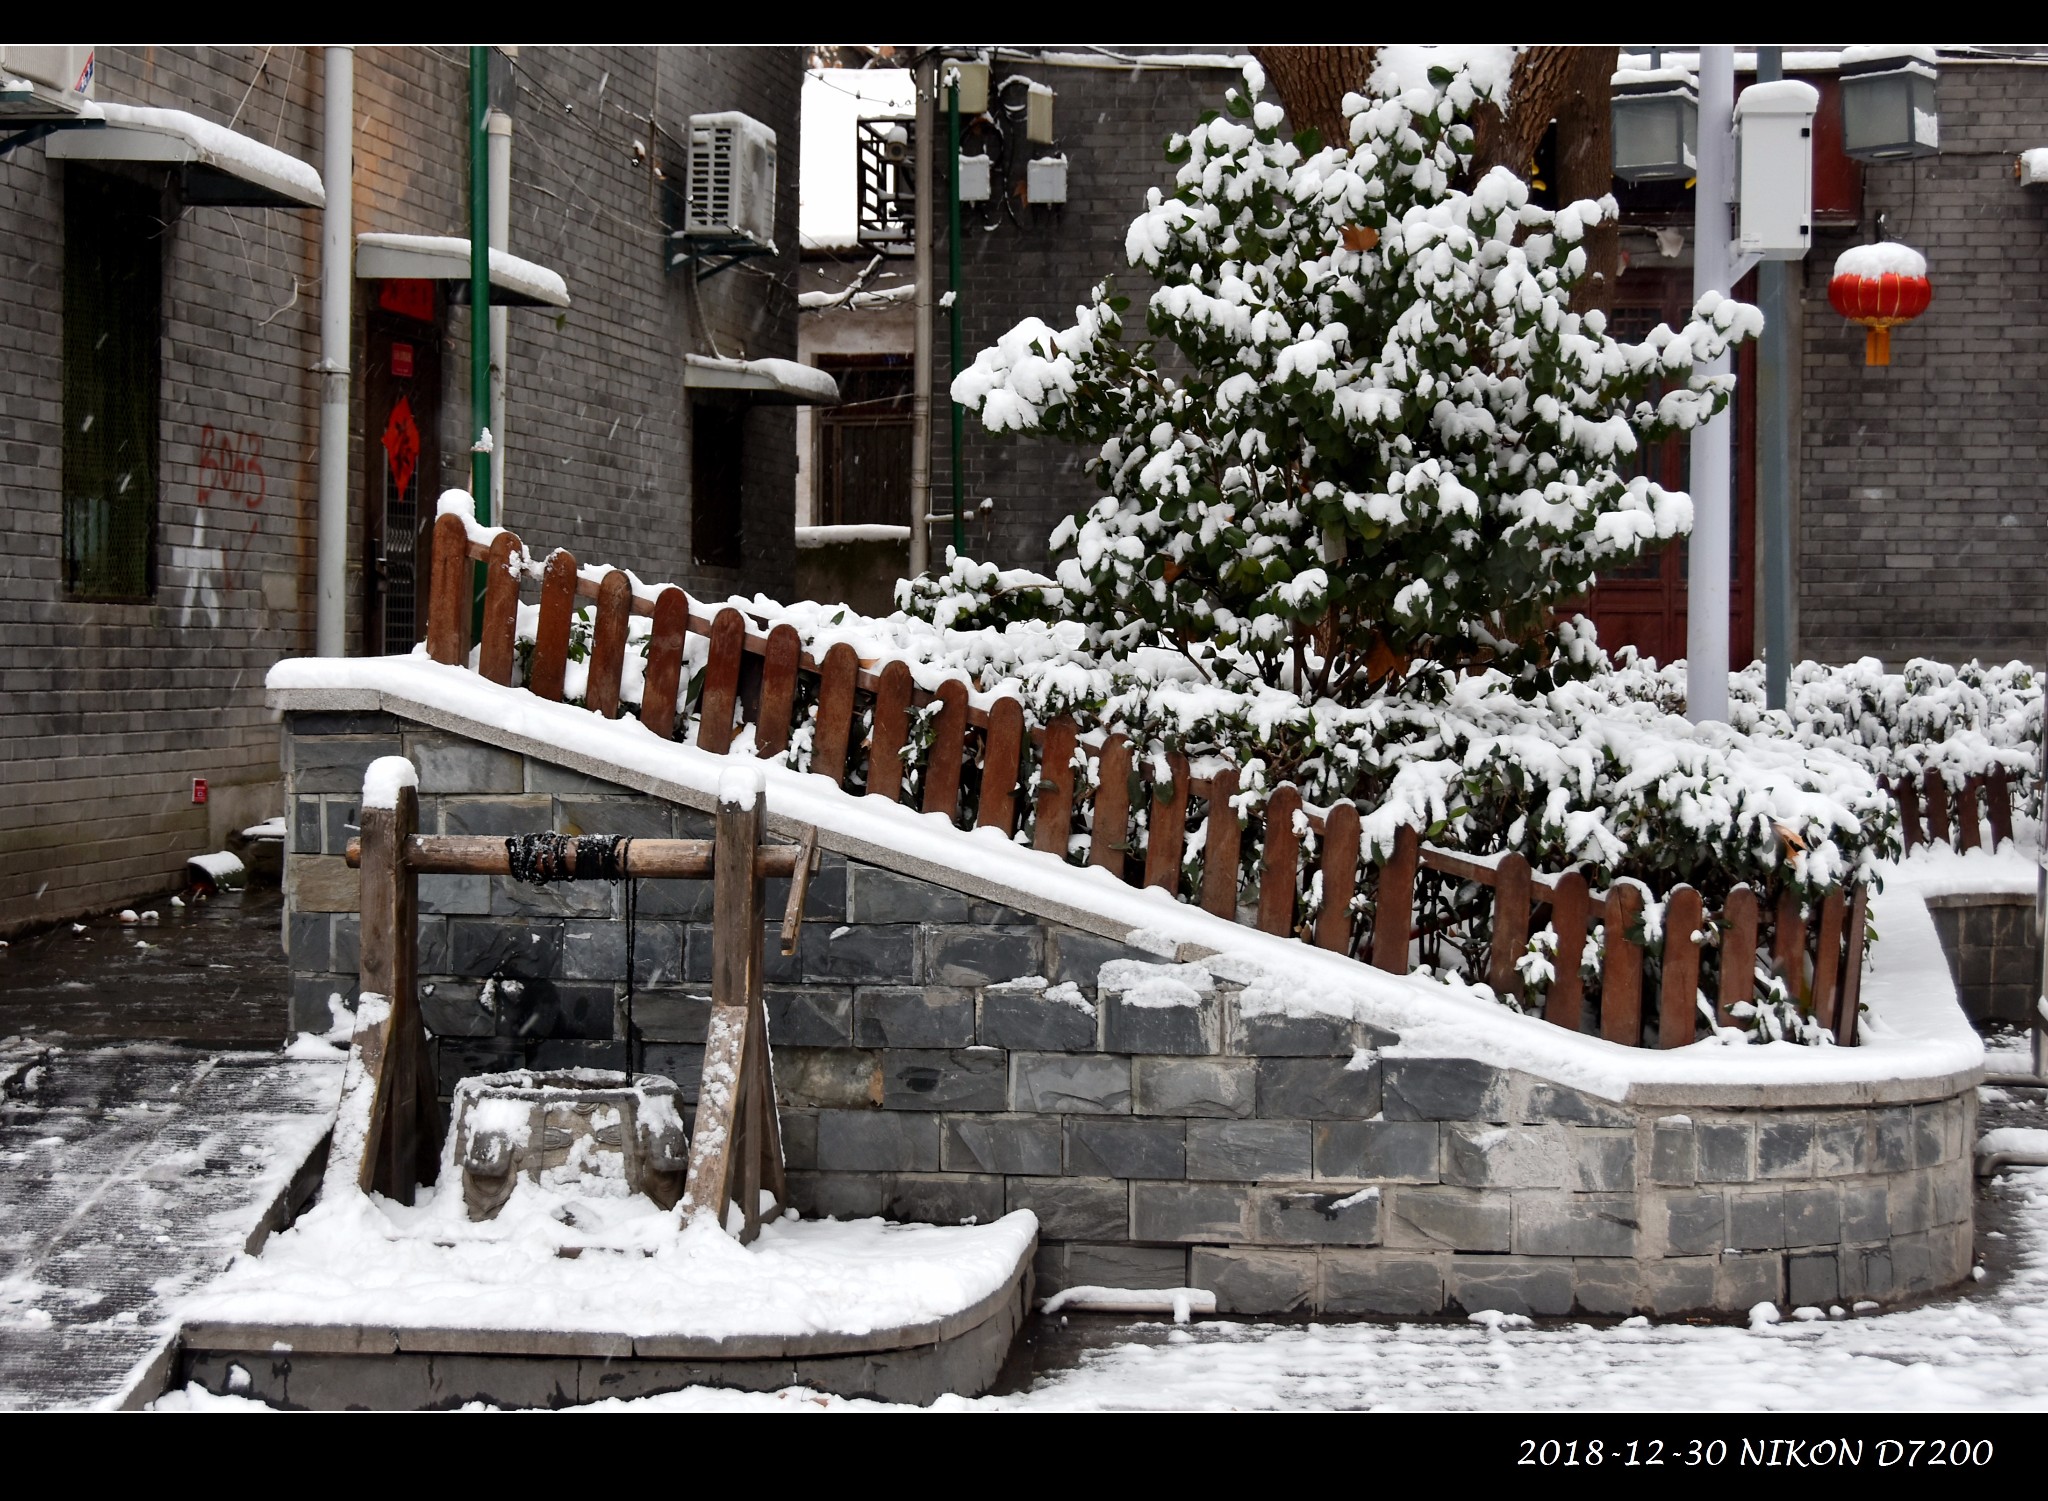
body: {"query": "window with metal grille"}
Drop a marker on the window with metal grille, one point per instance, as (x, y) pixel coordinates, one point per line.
(864, 443)
(113, 298)
(717, 453)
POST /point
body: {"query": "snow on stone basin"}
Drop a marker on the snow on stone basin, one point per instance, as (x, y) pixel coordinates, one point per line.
(554, 1261)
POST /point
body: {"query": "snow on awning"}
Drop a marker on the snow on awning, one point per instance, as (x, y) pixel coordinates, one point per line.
(514, 282)
(783, 382)
(222, 166)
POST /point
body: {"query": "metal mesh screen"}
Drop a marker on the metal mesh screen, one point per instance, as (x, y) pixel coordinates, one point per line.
(113, 292)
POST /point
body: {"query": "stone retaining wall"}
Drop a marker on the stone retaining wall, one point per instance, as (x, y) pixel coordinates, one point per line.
(939, 1057)
(1994, 953)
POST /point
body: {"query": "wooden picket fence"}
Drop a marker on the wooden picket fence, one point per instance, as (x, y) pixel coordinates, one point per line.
(1930, 815)
(768, 680)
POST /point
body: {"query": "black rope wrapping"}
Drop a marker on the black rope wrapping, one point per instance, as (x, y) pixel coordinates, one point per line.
(543, 859)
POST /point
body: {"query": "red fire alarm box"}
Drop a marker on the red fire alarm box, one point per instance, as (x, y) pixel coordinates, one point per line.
(199, 789)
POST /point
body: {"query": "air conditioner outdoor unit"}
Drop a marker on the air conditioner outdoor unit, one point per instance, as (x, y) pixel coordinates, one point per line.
(730, 189)
(45, 82)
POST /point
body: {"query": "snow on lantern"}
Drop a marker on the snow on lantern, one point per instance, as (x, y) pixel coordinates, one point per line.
(1879, 286)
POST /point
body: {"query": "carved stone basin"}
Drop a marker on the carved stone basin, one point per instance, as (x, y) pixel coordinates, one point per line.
(607, 1134)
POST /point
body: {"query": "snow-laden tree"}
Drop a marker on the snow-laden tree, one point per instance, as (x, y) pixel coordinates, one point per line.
(1365, 433)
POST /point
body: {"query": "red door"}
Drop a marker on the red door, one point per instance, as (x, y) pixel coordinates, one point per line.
(1643, 604)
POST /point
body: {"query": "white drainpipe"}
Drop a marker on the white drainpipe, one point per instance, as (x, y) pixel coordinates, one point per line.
(337, 272)
(498, 128)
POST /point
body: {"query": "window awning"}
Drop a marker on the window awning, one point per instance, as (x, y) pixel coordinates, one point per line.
(221, 166)
(514, 282)
(771, 382)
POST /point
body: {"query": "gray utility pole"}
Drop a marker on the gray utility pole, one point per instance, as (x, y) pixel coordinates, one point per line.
(1713, 270)
(1774, 446)
(922, 229)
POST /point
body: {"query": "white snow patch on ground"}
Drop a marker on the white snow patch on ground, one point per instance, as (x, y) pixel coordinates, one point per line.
(576, 1257)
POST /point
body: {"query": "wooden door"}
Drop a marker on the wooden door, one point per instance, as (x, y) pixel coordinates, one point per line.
(401, 460)
(1643, 604)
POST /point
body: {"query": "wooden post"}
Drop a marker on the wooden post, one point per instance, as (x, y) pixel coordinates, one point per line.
(949, 745)
(1678, 994)
(1790, 948)
(1112, 806)
(1053, 819)
(719, 702)
(1340, 877)
(778, 690)
(2001, 806)
(448, 602)
(1220, 853)
(1969, 831)
(1738, 952)
(1166, 833)
(608, 644)
(1569, 907)
(397, 1153)
(1621, 967)
(499, 647)
(733, 1058)
(663, 683)
(1909, 812)
(551, 633)
(1938, 825)
(892, 729)
(1394, 922)
(1846, 1014)
(838, 677)
(1510, 925)
(1827, 959)
(1002, 753)
(1280, 852)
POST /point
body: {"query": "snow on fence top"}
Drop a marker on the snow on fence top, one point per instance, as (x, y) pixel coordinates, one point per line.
(1645, 966)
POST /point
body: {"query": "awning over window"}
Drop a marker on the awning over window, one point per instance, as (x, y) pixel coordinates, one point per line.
(222, 166)
(771, 382)
(514, 282)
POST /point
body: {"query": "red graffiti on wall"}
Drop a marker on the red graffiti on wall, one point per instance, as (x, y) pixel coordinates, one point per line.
(231, 467)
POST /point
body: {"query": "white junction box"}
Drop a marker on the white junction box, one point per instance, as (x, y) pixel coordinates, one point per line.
(973, 77)
(974, 179)
(1046, 180)
(730, 187)
(1774, 169)
(1038, 115)
(45, 83)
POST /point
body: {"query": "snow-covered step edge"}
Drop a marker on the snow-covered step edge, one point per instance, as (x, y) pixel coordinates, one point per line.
(1918, 1045)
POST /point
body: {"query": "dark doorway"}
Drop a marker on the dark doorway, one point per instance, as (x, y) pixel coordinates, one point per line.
(401, 460)
(864, 442)
(1643, 604)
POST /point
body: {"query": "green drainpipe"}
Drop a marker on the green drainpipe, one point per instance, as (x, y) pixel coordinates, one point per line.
(479, 303)
(953, 286)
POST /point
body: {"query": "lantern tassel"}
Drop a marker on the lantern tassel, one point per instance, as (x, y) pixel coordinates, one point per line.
(1877, 346)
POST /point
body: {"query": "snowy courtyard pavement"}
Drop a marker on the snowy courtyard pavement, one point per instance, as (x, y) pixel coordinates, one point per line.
(130, 1176)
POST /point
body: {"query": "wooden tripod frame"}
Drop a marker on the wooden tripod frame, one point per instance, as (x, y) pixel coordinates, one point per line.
(388, 1132)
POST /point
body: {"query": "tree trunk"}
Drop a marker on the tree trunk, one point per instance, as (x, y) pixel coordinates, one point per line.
(1312, 83)
(1573, 86)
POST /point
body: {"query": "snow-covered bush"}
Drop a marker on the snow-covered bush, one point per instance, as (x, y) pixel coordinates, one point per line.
(1366, 436)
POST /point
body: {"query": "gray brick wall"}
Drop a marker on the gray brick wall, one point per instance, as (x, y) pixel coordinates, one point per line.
(1113, 127)
(1922, 521)
(1994, 954)
(108, 710)
(939, 1057)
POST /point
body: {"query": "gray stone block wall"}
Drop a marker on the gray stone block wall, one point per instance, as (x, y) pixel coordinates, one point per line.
(939, 1057)
(1994, 954)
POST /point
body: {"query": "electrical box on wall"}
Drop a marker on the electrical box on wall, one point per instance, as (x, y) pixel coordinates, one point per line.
(974, 179)
(1046, 180)
(1038, 115)
(1774, 169)
(973, 77)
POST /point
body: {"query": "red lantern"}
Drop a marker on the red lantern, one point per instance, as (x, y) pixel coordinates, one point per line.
(1879, 286)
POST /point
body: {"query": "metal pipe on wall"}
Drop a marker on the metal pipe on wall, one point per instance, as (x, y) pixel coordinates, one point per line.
(498, 132)
(337, 275)
(921, 383)
(1706, 624)
(1774, 447)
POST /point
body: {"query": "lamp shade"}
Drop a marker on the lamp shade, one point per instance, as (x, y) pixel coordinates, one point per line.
(1888, 107)
(1656, 124)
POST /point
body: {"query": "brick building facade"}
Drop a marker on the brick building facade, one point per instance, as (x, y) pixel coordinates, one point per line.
(111, 706)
